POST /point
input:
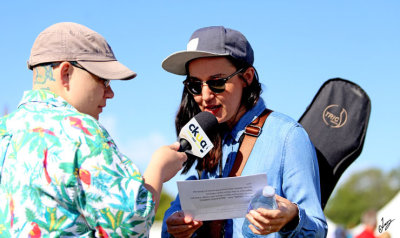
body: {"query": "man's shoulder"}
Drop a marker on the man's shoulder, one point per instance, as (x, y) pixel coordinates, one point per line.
(3, 124)
(81, 125)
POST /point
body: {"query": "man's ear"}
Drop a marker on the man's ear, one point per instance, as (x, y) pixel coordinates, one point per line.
(65, 73)
(248, 75)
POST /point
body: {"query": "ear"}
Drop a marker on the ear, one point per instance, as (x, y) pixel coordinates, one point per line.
(65, 73)
(248, 75)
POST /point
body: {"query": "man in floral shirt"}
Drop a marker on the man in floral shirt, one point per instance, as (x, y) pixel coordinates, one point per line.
(61, 173)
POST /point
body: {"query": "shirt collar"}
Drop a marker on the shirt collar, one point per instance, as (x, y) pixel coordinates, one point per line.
(246, 119)
(44, 96)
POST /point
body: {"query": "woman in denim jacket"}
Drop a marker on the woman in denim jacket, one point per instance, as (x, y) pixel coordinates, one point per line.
(221, 79)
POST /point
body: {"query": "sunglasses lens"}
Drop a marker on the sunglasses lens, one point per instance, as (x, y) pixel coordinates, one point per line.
(217, 86)
(194, 87)
(107, 82)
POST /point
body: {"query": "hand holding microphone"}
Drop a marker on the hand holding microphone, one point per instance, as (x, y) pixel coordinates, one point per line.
(168, 160)
(165, 163)
(193, 139)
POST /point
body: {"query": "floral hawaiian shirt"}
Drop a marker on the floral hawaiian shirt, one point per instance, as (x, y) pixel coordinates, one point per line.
(61, 175)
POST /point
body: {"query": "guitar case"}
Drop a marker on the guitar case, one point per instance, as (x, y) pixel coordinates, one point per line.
(336, 121)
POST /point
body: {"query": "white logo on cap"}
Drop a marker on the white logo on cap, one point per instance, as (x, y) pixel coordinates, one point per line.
(192, 45)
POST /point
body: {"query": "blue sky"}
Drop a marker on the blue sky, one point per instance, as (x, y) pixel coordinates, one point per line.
(298, 46)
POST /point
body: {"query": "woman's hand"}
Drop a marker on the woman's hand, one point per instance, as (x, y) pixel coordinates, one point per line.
(269, 221)
(181, 226)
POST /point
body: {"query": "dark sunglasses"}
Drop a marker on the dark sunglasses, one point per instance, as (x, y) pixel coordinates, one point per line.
(215, 85)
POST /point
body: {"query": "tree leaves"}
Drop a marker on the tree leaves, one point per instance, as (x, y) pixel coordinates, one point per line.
(368, 189)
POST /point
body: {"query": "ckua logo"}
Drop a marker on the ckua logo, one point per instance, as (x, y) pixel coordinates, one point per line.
(334, 116)
(197, 137)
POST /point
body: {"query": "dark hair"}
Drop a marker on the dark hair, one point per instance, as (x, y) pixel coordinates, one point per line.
(188, 108)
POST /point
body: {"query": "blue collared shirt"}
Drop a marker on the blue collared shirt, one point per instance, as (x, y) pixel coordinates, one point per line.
(285, 153)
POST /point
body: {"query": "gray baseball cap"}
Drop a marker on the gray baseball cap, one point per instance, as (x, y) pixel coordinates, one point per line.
(68, 41)
(209, 42)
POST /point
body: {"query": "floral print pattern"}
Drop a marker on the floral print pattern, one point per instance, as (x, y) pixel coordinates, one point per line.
(61, 175)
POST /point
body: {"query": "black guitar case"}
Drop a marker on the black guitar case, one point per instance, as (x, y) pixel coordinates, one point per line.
(336, 121)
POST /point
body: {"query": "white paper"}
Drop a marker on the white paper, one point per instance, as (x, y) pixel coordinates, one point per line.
(216, 199)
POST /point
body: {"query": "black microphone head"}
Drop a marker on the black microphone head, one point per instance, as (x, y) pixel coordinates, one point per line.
(185, 145)
(207, 121)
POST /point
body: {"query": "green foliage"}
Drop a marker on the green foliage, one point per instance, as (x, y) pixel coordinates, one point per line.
(165, 202)
(30, 215)
(368, 189)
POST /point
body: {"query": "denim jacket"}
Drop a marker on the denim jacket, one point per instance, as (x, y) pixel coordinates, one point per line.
(285, 153)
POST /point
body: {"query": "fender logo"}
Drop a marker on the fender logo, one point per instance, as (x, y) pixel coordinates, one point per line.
(334, 116)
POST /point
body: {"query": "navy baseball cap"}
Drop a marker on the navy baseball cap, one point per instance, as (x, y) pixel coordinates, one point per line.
(210, 42)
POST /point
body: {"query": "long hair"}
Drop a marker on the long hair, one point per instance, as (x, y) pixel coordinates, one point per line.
(189, 108)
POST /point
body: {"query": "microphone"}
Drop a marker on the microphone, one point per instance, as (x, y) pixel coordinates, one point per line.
(193, 137)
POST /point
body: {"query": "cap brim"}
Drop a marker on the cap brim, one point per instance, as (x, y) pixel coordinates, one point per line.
(112, 70)
(176, 62)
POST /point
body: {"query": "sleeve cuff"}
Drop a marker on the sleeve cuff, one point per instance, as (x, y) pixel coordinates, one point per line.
(295, 224)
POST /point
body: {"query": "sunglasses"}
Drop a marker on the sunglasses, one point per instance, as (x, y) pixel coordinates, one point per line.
(215, 85)
(105, 81)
